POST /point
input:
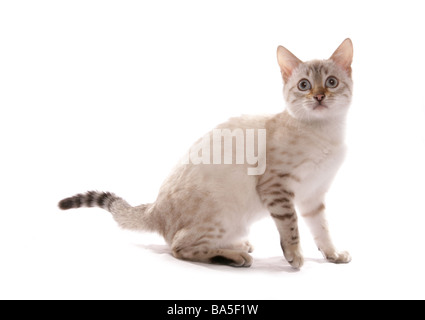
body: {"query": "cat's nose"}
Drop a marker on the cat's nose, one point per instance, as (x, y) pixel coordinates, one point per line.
(319, 97)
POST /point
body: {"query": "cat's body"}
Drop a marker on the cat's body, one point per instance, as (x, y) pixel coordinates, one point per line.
(204, 211)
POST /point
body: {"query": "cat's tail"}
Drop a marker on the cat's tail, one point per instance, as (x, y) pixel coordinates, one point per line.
(128, 217)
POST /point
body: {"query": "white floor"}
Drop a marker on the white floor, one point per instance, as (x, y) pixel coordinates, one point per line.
(82, 254)
(109, 96)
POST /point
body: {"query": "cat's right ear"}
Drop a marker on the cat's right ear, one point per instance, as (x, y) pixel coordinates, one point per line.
(287, 62)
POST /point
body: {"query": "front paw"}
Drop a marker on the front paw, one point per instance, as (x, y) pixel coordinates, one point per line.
(338, 257)
(295, 258)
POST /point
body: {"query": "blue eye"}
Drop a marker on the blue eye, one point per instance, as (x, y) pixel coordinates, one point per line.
(304, 85)
(331, 82)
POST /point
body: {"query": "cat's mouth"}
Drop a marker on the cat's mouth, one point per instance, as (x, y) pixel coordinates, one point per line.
(320, 106)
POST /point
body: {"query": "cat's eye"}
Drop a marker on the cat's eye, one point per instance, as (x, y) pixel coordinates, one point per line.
(331, 82)
(304, 85)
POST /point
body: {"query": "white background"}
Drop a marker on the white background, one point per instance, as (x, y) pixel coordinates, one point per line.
(108, 95)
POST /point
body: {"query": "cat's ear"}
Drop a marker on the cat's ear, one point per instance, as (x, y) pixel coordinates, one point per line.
(343, 56)
(287, 62)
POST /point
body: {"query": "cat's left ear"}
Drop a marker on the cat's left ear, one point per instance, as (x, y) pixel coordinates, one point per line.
(343, 56)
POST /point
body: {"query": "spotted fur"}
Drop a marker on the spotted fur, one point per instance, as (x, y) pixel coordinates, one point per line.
(204, 211)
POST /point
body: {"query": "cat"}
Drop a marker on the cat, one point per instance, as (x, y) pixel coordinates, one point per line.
(204, 211)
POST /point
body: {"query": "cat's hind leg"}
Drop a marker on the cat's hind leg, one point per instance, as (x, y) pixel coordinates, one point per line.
(188, 246)
(243, 245)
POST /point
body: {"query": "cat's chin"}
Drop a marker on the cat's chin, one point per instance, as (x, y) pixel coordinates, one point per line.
(327, 112)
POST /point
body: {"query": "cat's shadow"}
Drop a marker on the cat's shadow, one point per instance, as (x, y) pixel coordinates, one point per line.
(156, 248)
(269, 264)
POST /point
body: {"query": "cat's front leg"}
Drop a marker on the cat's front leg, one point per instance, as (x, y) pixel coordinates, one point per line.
(280, 204)
(287, 226)
(313, 211)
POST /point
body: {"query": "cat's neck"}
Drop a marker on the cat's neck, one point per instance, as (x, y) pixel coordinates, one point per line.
(330, 129)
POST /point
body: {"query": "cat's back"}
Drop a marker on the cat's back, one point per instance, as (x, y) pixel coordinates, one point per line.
(246, 121)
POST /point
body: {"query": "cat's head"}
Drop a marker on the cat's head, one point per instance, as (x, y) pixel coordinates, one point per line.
(317, 90)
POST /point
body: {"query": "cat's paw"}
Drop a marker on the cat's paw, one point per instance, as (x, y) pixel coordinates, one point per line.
(338, 257)
(242, 260)
(295, 259)
(233, 258)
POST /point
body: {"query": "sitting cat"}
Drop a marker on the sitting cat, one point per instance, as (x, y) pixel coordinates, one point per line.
(204, 210)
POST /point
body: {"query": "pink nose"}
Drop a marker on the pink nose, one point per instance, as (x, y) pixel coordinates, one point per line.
(319, 97)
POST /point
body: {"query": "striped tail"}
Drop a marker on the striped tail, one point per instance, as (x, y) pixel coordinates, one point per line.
(128, 217)
(102, 200)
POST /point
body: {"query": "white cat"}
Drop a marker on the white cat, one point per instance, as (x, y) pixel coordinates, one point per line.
(204, 210)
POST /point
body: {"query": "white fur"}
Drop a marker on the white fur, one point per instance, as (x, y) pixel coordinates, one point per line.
(204, 211)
